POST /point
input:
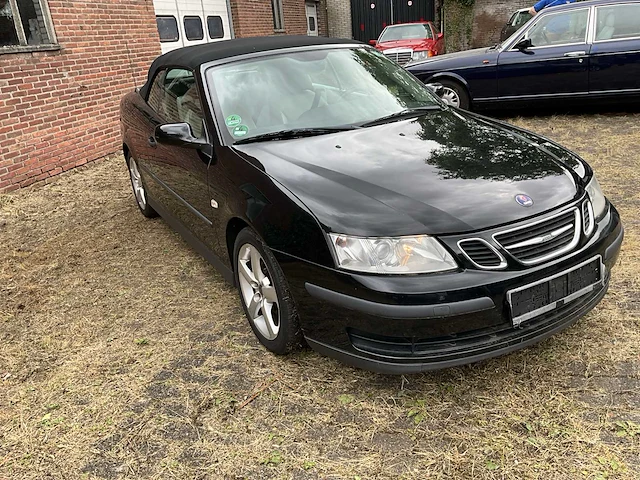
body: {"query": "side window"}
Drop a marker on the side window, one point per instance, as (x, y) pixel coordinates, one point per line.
(156, 92)
(618, 22)
(193, 28)
(521, 19)
(174, 97)
(559, 29)
(168, 28)
(215, 27)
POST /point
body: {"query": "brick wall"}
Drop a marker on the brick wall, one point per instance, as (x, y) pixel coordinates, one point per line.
(339, 18)
(255, 17)
(59, 109)
(489, 16)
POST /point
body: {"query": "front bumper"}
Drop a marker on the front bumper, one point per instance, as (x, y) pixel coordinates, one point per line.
(408, 324)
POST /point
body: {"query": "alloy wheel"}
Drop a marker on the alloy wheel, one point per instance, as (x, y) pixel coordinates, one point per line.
(258, 292)
(136, 182)
(451, 97)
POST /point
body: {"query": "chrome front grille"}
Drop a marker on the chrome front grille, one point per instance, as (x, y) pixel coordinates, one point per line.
(588, 219)
(543, 240)
(401, 57)
(482, 254)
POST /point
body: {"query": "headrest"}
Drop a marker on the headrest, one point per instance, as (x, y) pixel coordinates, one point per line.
(610, 21)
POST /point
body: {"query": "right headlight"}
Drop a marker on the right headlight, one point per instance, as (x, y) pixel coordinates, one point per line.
(597, 198)
(385, 255)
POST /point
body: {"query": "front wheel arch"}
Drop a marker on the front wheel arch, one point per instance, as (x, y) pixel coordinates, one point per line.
(461, 87)
(234, 227)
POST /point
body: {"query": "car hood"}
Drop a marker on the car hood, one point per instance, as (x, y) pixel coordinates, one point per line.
(464, 58)
(444, 172)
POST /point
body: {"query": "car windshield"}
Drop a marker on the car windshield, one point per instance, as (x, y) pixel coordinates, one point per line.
(406, 32)
(314, 89)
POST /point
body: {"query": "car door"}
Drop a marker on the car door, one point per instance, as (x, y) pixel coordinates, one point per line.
(180, 172)
(556, 63)
(615, 53)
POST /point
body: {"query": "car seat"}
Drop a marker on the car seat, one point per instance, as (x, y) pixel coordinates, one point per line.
(606, 33)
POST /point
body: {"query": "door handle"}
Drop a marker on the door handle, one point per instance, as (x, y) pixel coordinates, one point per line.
(580, 53)
(153, 142)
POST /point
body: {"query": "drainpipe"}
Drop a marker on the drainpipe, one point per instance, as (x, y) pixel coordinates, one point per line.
(233, 35)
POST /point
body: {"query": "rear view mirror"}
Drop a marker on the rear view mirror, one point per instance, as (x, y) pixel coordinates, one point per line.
(373, 42)
(523, 44)
(436, 88)
(178, 134)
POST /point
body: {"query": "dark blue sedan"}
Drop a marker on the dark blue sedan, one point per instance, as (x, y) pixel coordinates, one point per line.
(584, 50)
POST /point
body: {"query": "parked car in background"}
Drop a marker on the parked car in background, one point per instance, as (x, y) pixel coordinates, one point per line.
(576, 52)
(410, 41)
(519, 18)
(355, 211)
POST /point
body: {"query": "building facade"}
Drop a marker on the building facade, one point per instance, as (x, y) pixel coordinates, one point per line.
(65, 65)
(489, 16)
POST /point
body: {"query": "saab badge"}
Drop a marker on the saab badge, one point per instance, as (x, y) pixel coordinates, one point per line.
(524, 200)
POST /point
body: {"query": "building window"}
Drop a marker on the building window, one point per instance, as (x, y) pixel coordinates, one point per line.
(168, 28)
(193, 28)
(25, 23)
(278, 16)
(216, 29)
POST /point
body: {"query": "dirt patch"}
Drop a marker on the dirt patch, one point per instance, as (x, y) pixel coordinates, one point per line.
(123, 354)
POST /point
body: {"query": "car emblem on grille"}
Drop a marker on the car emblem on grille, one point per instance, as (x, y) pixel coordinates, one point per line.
(524, 200)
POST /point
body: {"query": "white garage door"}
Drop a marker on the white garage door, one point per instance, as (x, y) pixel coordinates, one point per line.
(190, 22)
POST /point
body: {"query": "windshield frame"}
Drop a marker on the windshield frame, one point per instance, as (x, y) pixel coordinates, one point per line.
(213, 103)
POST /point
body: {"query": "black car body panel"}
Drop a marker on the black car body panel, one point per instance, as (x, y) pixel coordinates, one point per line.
(593, 68)
(443, 172)
(447, 337)
(448, 173)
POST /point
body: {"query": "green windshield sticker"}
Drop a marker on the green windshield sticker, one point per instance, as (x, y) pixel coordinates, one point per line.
(240, 131)
(233, 120)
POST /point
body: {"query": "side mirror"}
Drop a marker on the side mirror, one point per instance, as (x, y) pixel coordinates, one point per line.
(373, 42)
(439, 36)
(436, 88)
(179, 134)
(523, 44)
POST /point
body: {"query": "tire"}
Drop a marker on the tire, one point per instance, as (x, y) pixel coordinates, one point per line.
(266, 301)
(456, 93)
(139, 190)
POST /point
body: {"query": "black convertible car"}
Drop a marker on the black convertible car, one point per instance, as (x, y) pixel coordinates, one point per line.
(355, 210)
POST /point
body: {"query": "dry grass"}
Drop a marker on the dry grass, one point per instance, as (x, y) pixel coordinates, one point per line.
(124, 355)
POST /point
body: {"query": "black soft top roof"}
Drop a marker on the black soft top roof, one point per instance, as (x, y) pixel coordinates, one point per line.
(193, 57)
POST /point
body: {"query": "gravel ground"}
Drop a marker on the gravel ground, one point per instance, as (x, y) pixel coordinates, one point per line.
(123, 354)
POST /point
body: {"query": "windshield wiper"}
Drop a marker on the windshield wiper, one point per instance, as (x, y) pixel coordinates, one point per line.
(407, 112)
(295, 133)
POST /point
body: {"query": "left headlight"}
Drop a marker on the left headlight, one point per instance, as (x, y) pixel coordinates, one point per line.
(597, 198)
(420, 55)
(419, 254)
